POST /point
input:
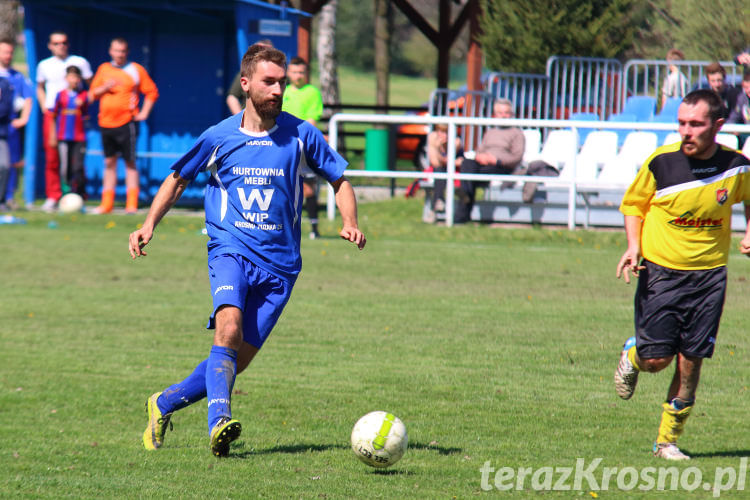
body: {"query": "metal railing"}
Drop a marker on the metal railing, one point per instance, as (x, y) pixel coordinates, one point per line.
(646, 76)
(583, 85)
(527, 92)
(573, 186)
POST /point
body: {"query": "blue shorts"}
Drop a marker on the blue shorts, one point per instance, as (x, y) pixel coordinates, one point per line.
(261, 296)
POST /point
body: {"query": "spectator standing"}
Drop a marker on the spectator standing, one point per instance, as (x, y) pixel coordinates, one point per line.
(22, 102)
(675, 83)
(71, 111)
(236, 96)
(678, 214)
(500, 152)
(254, 235)
(305, 102)
(6, 112)
(717, 75)
(119, 85)
(50, 79)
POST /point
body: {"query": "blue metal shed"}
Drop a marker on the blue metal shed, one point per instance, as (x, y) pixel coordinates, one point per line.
(191, 48)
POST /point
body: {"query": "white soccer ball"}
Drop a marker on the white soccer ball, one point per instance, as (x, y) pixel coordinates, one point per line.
(379, 439)
(70, 203)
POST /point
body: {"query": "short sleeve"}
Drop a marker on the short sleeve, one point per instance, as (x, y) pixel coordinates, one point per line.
(85, 68)
(637, 198)
(320, 156)
(198, 157)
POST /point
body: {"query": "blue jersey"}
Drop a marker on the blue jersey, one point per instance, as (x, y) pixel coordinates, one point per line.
(253, 198)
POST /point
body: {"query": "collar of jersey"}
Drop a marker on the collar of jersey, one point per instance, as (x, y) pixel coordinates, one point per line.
(259, 134)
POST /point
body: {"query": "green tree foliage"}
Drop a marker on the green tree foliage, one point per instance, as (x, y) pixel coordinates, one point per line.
(704, 31)
(411, 52)
(519, 35)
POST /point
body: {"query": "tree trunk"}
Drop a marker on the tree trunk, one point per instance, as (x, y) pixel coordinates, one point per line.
(8, 19)
(383, 28)
(327, 64)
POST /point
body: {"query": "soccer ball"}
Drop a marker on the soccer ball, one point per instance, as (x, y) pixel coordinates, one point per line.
(379, 439)
(70, 203)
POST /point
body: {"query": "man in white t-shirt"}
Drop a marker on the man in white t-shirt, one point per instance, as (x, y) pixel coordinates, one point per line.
(50, 79)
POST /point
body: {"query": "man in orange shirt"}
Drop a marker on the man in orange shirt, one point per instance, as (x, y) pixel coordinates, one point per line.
(118, 85)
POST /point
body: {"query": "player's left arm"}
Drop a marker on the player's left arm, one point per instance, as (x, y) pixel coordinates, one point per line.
(347, 204)
(745, 243)
(150, 92)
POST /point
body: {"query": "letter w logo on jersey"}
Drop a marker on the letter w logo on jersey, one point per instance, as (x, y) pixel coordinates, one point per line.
(263, 200)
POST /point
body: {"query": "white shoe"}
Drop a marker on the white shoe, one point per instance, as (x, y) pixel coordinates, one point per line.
(669, 451)
(49, 205)
(626, 376)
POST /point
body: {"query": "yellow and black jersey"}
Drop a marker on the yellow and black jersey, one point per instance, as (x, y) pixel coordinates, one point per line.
(686, 206)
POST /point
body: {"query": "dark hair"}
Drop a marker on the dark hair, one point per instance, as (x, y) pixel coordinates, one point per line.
(715, 67)
(75, 70)
(675, 54)
(257, 53)
(58, 32)
(711, 98)
(296, 61)
(9, 41)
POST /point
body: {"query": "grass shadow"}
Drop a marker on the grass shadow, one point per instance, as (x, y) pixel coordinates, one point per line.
(291, 449)
(720, 453)
(433, 447)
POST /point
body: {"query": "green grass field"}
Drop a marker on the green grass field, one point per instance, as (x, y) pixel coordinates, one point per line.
(495, 346)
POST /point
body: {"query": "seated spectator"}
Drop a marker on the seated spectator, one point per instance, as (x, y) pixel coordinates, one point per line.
(740, 113)
(500, 152)
(675, 83)
(437, 156)
(743, 58)
(716, 75)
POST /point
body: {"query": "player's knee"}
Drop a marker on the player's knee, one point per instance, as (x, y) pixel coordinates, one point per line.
(654, 365)
(228, 331)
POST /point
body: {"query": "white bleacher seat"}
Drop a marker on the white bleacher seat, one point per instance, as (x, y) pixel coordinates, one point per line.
(599, 148)
(671, 138)
(533, 141)
(728, 140)
(559, 149)
(746, 148)
(637, 148)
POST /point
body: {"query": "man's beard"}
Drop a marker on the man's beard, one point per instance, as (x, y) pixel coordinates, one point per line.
(266, 109)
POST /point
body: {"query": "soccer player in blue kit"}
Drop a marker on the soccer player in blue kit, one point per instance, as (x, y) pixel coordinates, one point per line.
(253, 204)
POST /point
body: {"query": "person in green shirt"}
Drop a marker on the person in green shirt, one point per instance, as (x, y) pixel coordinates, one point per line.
(305, 102)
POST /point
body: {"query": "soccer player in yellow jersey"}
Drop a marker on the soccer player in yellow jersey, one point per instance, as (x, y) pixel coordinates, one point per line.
(678, 227)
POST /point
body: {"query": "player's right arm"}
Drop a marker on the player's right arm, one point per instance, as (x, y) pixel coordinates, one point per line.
(630, 261)
(169, 192)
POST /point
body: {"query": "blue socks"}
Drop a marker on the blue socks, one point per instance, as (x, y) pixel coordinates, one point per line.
(221, 369)
(184, 393)
(212, 378)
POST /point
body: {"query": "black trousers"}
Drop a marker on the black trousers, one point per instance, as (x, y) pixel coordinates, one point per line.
(467, 190)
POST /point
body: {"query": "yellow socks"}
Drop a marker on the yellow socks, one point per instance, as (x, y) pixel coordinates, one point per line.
(631, 358)
(672, 423)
